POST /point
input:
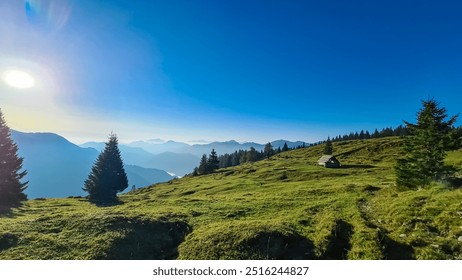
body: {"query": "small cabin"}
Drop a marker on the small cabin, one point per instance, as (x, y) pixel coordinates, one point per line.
(329, 161)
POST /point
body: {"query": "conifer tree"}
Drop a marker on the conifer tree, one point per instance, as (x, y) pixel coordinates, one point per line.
(11, 187)
(212, 162)
(328, 148)
(426, 146)
(203, 165)
(268, 151)
(458, 138)
(195, 171)
(107, 177)
(285, 148)
(251, 155)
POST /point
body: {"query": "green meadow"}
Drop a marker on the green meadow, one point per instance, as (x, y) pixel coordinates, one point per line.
(284, 207)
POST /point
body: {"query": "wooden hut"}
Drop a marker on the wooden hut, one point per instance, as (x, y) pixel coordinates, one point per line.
(329, 161)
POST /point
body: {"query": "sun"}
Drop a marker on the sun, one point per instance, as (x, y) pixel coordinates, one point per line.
(18, 79)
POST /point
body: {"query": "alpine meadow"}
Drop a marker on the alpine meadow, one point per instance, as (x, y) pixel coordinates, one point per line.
(231, 130)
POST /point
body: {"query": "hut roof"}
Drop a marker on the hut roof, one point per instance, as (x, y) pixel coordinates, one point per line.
(326, 158)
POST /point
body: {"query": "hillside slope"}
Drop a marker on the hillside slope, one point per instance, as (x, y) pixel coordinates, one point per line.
(286, 207)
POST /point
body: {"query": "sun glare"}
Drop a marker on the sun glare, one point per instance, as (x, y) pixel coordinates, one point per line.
(18, 79)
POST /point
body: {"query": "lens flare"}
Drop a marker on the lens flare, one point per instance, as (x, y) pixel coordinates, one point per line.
(18, 79)
(48, 14)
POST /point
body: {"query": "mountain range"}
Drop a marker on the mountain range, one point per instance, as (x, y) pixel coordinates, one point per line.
(155, 147)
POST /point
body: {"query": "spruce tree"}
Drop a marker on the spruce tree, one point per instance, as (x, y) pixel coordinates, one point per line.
(285, 148)
(107, 176)
(11, 187)
(251, 155)
(212, 163)
(328, 148)
(425, 147)
(195, 171)
(203, 165)
(458, 138)
(268, 151)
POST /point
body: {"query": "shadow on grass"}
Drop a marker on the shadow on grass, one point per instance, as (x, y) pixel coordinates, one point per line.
(371, 189)
(279, 246)
(107, 203)
(6, 213)
(148, 240)
(394, 250)
(455, 182)
(11, 212)
(7, 240)
(363, 166)
(339, 242)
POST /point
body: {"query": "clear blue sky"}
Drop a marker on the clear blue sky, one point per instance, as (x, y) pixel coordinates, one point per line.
(218, 70)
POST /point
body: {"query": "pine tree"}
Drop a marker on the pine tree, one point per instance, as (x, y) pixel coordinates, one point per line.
(235, 158)
(107, 176)
(243, 158)
(212, 163)
(11, 187)
(203, 165)
(251, 155)
(195, 172)
(328, 148)
(268, 151)
(458, 138)
(425, 147)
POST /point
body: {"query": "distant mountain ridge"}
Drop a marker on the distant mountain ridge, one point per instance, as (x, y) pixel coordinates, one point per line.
(200, 149)
(58, 168)
(176, 163)
(178, 157)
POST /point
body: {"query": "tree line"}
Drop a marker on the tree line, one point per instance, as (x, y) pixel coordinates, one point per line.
(400, 130)
(212, 162)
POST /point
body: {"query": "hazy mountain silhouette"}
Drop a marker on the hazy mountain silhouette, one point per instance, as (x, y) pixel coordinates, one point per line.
(130, 155)
(176, 163)
(143, 177)
(200, 149)
(154, 147)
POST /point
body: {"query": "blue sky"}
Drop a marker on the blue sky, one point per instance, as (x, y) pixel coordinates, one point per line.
(218, 70)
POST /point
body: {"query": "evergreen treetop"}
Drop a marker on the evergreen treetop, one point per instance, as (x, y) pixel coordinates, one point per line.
(212, 161)
(328, 148)
(268, 150)
(107, 176)
(425, 148)
(202, 169)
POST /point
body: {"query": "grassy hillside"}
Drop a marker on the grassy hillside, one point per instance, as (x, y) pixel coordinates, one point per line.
(286, 207)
